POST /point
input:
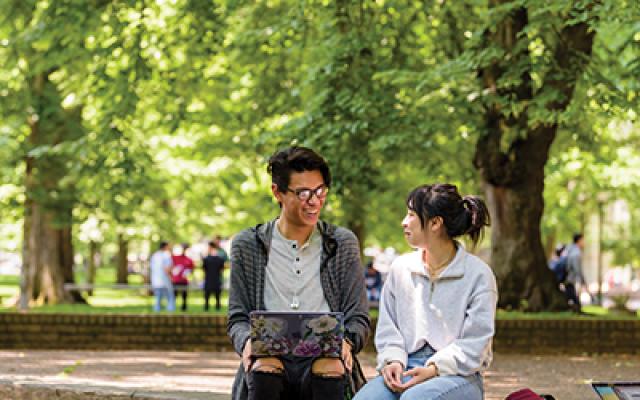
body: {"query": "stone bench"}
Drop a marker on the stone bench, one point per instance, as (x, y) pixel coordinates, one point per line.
(85, 287)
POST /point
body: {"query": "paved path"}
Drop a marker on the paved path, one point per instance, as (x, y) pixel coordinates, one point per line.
(114, 375)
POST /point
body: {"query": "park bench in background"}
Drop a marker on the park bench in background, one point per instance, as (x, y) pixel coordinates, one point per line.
(142, 290)
(84, 287)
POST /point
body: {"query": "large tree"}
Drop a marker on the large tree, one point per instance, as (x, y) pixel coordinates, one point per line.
(513, 149)
(514, 87)
(530, 85)
(33, 57)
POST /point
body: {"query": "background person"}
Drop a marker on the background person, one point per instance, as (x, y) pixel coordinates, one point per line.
(373, 279)
(161, 264)
(575, 275)
(182, 269)
(558, 264)
(213, 266)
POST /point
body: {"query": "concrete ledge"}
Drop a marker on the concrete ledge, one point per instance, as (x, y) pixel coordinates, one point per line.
(34, 390)
(208, 333)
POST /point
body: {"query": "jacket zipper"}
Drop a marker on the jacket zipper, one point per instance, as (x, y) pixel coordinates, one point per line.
(433, 286)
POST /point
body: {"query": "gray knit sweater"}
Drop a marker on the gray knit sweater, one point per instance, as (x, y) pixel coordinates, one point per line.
(342, 280)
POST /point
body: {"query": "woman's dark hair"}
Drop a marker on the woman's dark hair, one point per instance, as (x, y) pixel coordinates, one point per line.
(296, 159)
(466, 215)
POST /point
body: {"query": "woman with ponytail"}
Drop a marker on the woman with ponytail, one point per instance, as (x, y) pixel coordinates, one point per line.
(437, 310)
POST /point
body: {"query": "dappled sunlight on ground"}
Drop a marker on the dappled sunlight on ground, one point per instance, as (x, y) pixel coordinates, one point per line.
(193, 373)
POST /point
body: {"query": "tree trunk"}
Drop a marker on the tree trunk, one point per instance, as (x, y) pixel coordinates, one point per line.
(123, 264)
(43, 258)
(517, 255)
(357, 173)
(356, 219)
(549, 244)
(513, 173)
(91, 265)
(47, 250)
(66, 259)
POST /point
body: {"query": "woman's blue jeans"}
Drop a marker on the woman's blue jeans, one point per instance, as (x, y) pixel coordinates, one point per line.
(453, 387)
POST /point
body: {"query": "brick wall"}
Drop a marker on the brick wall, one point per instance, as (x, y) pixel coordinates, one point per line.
(567, 336)
(113, 332)
(208, 333)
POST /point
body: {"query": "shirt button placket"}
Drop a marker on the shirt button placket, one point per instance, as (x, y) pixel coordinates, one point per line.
(297, 261)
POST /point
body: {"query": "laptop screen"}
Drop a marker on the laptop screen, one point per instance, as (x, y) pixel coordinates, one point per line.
(617, 390)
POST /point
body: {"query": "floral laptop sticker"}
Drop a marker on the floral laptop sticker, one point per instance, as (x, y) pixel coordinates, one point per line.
(301, 334)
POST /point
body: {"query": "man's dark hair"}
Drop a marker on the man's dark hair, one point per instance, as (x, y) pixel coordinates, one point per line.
(296, 159)
(163, 244)
(214, 245)
(577, 237)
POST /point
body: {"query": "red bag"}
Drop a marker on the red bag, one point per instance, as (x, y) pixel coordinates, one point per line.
(524, 394)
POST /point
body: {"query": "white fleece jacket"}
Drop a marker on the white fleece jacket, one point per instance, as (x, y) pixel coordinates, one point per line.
(455, 313)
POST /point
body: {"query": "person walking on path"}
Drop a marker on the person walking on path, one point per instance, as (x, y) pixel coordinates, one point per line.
(161, 264)
(213, 265)
(373, 279)
(575, 275)
(182, 269)
(297, 262)
(558, 264)
(438, 304)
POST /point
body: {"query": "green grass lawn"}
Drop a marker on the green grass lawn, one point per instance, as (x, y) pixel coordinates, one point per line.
(110, 301)
(9, 287)
(590, 312)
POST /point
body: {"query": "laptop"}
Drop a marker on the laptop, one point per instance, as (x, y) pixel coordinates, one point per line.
(300, 334)
(617, 390)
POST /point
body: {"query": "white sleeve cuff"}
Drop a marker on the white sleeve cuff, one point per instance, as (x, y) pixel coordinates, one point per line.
(446, 366)
(391, 354)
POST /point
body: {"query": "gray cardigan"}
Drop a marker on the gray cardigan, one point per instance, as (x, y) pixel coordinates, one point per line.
(342, 280)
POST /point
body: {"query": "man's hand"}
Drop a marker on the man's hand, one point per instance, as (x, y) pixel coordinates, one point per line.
(347, 357)
(246, 356)
(418, 375)
(392, 373)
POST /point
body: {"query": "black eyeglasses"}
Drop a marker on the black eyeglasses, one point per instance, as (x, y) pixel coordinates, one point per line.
(305, 194)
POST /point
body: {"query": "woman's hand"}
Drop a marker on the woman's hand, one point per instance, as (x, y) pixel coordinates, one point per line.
(418, 375)
(392, 373)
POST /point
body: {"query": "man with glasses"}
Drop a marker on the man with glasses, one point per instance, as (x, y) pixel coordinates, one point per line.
(297, 263)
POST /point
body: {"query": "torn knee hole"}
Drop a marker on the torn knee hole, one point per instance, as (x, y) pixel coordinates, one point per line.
(329, 375)
(328, 372)
(268, 369)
